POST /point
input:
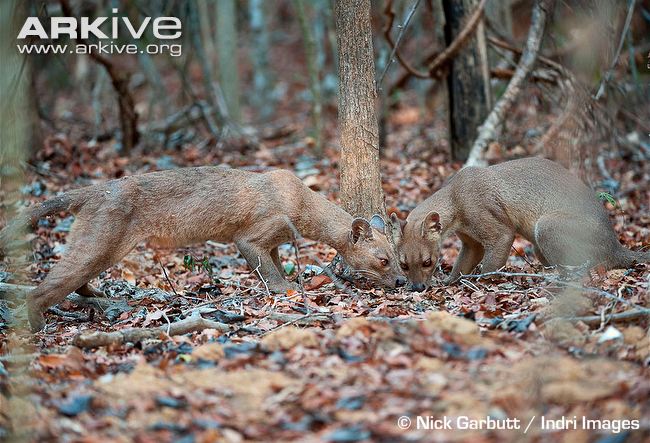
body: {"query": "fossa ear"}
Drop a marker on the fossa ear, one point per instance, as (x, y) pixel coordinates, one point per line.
(431, 225)
(396, 228)
(377, 222)
(361, 230)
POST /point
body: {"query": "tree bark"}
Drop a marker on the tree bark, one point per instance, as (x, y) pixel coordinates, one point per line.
(262, 79)
(15, 129)
(468, 82)
(490, 129)
(314, 76)
(227, 51)
(361, 192)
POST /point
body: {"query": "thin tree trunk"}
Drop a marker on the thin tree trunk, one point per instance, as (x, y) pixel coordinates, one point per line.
(468, 82)
(120, 80)
(490, 129)
(14, 127)
(314, 77)
(361, 192)
(227, 51)
(262, 84)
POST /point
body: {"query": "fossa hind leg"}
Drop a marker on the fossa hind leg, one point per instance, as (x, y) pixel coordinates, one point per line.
(90, 250)
(564, 240)
(275, 255)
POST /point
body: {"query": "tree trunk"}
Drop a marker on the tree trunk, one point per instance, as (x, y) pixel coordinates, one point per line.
(15, 112)
(361, 192)
(15, 127)
(262, 83)
(314, 76)
(468, 82)
(227, 51)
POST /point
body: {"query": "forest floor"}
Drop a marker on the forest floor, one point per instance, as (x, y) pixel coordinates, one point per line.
(335, 365)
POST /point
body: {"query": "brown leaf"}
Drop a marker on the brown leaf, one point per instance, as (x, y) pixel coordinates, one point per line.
(317, 282)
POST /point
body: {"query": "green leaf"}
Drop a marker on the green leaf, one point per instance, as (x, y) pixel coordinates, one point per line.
(606, 196)
(206, 266)
(289, 268)
(188, 262)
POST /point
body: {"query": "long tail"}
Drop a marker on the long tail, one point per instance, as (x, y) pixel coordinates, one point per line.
(11, 235)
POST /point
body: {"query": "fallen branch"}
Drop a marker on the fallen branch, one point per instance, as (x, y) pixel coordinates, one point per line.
(300, 319)
(193, 323)
(490, 129)
(632, 314)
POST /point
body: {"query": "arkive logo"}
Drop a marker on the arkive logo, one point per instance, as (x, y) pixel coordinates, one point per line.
(165, 28)
(105, 30)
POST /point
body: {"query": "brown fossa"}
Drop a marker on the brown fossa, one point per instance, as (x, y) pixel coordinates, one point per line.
(256, 211)
(533, 197)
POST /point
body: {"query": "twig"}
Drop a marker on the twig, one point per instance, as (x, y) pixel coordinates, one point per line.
(257, 270)
(522, 256)
(435, 60)
(397, 42)
(454, 47)
(608, 75)
(168, 280)
(489, 130)
(193, 323)
(169, 323)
